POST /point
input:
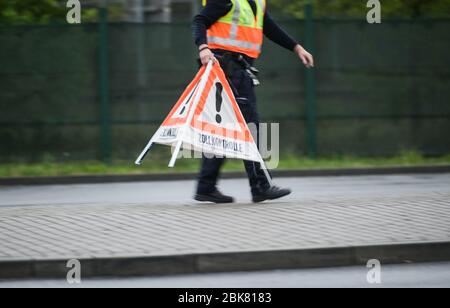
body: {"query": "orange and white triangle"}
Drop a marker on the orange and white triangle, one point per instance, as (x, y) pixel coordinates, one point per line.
(207, 119)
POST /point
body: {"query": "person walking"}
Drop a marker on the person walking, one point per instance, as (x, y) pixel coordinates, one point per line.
(231, 32)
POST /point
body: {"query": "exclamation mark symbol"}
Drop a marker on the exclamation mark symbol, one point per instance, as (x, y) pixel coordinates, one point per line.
(219, 90)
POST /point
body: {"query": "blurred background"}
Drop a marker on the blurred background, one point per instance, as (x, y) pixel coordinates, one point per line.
(86, 98)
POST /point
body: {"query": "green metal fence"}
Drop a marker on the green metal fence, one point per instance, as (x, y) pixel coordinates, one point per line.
(99, 91)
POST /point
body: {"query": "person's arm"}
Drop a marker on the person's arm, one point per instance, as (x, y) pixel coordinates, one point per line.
(276, 34)
(213, 11)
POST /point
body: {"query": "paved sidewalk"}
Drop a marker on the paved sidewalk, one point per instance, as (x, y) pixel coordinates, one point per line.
(148, 230)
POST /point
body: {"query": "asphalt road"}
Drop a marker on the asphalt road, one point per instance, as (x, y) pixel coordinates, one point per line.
(182, 191)
(427, 275)
(308, 188)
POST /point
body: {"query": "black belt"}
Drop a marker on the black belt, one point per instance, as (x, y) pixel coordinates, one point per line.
(228, 60)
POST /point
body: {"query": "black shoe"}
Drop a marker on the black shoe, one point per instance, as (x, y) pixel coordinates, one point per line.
(214, 197)
(272, 193)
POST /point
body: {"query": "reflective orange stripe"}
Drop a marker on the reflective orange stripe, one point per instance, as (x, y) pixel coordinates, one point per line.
(249, 40)
(220, 29)
(251, 35)
(248, 34)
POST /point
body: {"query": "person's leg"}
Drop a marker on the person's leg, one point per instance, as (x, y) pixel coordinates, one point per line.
(260, 186)
(257, 178)
(207, 180)
(246, 99)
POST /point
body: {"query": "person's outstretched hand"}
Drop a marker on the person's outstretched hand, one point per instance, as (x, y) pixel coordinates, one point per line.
(306, 57)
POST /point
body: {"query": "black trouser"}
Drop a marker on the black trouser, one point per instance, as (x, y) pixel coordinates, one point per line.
(244, 92)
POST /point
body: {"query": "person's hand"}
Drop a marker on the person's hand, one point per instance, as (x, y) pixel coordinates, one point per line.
(306, 57)
(206, 55)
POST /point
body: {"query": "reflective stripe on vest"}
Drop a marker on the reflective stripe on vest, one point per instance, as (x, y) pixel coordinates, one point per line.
(234, 43)
(240, 30)
(235, 24)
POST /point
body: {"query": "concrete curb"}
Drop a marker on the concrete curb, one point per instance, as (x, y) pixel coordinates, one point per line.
(96, 179)
(230, 262)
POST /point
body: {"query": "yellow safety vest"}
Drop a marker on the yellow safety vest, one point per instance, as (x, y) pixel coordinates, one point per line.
(240, 30)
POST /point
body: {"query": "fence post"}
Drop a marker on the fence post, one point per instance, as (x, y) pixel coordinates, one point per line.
(311, 114)
(105, 112)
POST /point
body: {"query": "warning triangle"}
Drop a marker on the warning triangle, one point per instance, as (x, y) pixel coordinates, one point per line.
(217, 111)
(207, 119)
